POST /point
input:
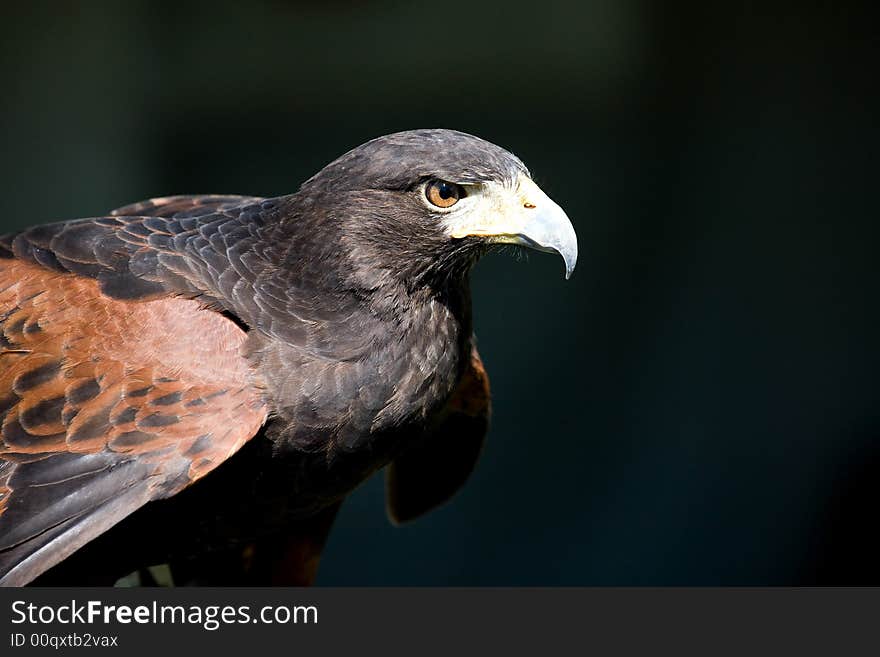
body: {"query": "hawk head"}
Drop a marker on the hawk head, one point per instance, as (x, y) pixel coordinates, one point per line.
(425, 204)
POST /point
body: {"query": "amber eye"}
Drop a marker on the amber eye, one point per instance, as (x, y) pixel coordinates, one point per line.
(444, 194)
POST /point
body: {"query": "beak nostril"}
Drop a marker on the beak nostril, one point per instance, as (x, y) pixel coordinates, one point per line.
(529, 206)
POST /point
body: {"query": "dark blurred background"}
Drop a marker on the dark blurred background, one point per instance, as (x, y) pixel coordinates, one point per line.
(699, 404)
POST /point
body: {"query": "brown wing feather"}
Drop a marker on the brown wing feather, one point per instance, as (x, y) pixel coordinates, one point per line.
(105, 405)
(171, 206)
(429, 473)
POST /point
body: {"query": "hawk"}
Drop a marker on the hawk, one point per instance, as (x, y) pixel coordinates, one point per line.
(278, 351)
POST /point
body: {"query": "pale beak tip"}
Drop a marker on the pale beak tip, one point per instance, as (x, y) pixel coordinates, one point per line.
(570, 263)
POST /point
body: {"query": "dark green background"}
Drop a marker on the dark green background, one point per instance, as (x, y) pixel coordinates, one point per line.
(699, 404)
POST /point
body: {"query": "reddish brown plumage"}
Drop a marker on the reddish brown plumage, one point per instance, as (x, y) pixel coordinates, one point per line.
(83, 373)
(126, 363)
(473, 397)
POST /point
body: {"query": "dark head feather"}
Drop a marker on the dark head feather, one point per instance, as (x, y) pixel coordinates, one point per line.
(403, 159)
(367, 199)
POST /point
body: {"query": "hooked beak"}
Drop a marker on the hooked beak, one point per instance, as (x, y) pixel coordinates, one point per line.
(524, 215)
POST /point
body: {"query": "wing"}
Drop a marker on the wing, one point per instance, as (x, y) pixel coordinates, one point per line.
(224, 251)
(105, 404)
(200, 246)
(428, 474)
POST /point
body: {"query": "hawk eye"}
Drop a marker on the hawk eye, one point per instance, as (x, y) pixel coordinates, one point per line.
(444, 194)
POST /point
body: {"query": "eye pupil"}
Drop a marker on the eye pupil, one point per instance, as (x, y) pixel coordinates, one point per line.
(443, 194)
